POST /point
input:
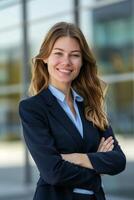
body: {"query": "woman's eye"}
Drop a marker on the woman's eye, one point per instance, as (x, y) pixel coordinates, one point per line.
(58, 53)
(76, 55)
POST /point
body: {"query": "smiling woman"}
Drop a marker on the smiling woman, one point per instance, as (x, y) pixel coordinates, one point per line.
(64, 62)
(64, 123)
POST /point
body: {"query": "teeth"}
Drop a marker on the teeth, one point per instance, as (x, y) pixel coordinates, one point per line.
(64, 70)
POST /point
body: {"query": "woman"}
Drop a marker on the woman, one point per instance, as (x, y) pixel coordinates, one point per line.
(65, 127)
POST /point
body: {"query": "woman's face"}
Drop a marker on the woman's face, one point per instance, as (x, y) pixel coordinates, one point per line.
(64, 61)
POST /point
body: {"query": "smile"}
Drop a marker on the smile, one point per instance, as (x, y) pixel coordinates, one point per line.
(67, 71)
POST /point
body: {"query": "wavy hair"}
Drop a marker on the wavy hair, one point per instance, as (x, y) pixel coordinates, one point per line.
(87, 83)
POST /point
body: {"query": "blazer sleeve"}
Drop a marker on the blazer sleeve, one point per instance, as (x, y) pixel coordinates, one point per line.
(40, 142)
(112, 162)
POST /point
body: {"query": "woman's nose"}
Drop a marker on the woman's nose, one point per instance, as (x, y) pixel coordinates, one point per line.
(66, 60)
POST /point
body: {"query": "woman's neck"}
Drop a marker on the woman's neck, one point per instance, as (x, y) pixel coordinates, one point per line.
(65, 88)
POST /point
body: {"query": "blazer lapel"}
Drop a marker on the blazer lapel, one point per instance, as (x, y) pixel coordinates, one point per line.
(84, 123)
(61, 116)
(89, 131)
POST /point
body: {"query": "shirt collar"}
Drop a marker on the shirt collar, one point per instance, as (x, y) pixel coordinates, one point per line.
(61, 96)
(76, 96)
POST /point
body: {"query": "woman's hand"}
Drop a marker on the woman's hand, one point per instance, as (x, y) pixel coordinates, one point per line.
(78, 159)
(106, 144)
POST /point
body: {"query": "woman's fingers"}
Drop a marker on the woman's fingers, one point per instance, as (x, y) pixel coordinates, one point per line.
(101, 143)
(111, 148)
(106, 144)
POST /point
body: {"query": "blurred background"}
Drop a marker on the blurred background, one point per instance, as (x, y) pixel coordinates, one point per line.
(108, 26)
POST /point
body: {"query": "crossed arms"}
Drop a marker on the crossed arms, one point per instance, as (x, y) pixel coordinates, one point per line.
(83, 159)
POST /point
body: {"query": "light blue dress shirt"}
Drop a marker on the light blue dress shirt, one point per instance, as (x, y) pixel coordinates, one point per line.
(60, 96)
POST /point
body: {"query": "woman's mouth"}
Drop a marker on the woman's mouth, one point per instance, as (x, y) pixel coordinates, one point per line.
(66, 71)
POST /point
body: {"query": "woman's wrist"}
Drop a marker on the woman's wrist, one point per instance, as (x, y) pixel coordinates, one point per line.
(85, 161)
(78, 159)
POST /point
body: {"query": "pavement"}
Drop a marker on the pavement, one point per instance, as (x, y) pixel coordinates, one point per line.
(13, 184)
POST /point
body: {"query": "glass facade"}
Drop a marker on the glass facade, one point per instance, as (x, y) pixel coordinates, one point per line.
(10, 68)
(109, 30)
(113, 42)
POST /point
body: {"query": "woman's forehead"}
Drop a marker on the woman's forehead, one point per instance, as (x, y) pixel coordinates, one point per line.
(67, 42)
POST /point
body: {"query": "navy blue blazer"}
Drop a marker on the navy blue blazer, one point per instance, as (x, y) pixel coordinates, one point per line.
(48, 132)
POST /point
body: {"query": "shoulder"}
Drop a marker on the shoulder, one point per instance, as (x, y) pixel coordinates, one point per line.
(33, 110)
(34, 103)
(37, 100)
(30, 102)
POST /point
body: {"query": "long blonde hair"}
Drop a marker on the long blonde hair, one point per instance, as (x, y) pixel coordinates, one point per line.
(87, 83)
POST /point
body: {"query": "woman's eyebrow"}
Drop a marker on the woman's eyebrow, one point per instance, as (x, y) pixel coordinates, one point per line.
(76, 51)
(58, 49)
(71, 51)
